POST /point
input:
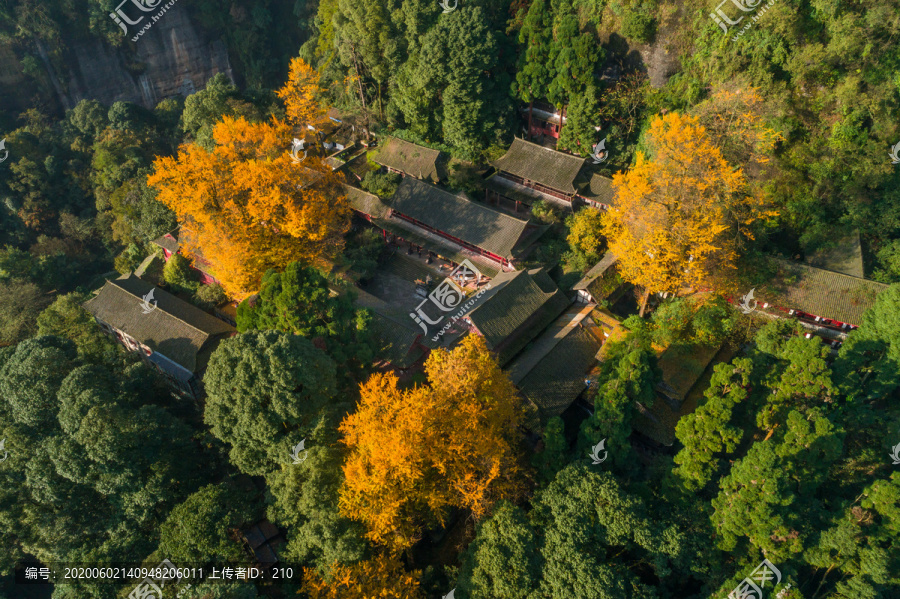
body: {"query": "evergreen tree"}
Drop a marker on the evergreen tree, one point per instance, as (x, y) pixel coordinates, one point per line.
(266, 391)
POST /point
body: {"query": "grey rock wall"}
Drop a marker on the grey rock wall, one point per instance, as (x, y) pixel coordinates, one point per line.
(172, 57)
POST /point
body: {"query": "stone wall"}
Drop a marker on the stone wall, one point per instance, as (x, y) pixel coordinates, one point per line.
(173, 57)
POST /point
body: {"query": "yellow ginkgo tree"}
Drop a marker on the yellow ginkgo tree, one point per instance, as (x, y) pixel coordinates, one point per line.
(246, 206)
(414, 454)
(680, 213)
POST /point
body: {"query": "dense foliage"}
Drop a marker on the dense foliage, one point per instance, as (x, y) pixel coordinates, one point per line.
(724, 148)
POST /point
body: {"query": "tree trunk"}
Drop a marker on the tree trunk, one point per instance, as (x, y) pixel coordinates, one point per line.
(380, 104)
(362, 96)
(644, 303)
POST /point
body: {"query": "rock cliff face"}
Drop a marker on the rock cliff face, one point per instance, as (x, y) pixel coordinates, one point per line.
(172, 57)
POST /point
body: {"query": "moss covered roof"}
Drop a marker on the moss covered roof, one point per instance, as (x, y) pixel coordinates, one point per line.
(366, 203)
(557, 380)
(174, 328)
(600, 189)
(459, 217)
(409, 158)
(820, 292)
(547, 167)
(518, 307)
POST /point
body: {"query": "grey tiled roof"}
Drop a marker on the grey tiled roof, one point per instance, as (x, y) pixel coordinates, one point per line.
(417, 161)
(820, 292)
(517, 308)
(169, 241)
(843, 256)
(459, 217)
(600, 189)
(433, 243)
(550, 168)
(557, 380)
(175, 328)
(366, 203)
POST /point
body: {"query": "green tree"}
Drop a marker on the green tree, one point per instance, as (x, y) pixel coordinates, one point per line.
(179, 275)
(20, 304)
(869, 363)
(572, 56)
(96, 458)
(305, 502)
(534, 71)
(299, 301)
(205, 108)
(708, 431)
(453, 88)
(502, 561)
(555, 454)
(66, 317)
(265, 394)
(204, 528)
(769, 498)
(579, 135)
(381, 184)
(804, 382)
(628, 376)
(587, 520)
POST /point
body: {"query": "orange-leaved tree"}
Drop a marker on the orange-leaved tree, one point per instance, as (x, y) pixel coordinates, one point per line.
(302, 95)
(248, 207)
(680, 215)
(382, 577)
(414, 454)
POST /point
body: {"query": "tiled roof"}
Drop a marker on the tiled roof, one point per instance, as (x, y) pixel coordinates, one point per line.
(366, 203)
(516, 310)
(542, 165)
(433, 243)
(600, 189)
(175, 328)
(557, 380)
(682, 365)
(459, 217)
(843, 256)
(417, 161)
(820, 292)
(596, 272)
(169, 241)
